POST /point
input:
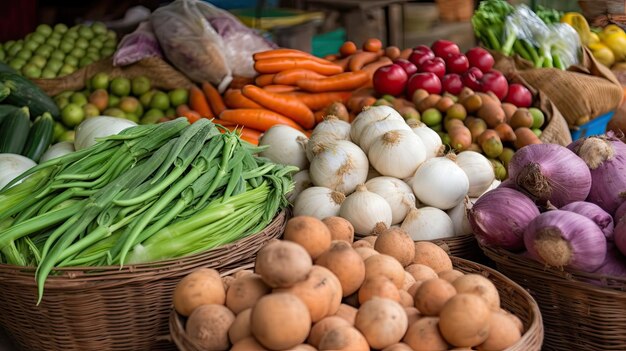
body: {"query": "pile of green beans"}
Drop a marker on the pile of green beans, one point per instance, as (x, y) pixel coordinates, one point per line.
(151, 192)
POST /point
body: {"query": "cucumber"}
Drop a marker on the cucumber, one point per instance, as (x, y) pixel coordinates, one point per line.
(4, 91)
(14, 131)
(26, 93)
(6, 110)
(39, 137)
(6, 68)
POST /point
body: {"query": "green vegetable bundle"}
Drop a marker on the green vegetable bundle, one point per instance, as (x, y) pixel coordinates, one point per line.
(149, 193)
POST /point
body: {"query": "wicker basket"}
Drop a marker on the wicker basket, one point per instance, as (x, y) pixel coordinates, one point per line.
(109, 308)
(577, 315)
(455, 10)
(513, 298)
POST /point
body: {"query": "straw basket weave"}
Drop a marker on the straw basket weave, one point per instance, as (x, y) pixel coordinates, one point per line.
(577, 315)
(513, 298)
(108, 308)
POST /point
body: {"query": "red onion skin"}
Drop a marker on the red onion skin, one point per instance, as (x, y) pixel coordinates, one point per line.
(620, 212)
(607, 165)
(586, 241)
(550, 172)
(500, 216)
(614, 264)
(595, 213)
(619, 235)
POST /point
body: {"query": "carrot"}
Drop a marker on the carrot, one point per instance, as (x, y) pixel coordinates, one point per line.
(331, 57)
(214, 97)
(357, 61)
(199, 103)
(339, 82)
(278, 88)
(238, 82)
(275, 65)
(321, 100)
(284, 104)
(292, 76)
(343, 62)
(354, 103)
(372, 45)
(259, 119)
(348, 48)
(287, 53)
(185, 111)
(319, 116)
(233, 98)
(264, 79)
(406, 53)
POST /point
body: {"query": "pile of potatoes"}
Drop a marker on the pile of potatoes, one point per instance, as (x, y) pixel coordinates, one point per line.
(317, 290)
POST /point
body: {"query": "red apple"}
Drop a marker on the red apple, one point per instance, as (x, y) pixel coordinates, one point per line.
(418, 57)
(436, 66)
(452, 83)
(495, 82)
(424, 80)
(472, 77)
(390, 79)
(519, 96)
(456, 63)
(442, 48)
(408, 67)
(422, 48)
(480, 58)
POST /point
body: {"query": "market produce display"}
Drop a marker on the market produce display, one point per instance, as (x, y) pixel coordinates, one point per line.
(52, 52)
(319, 290)
(149, 193)
(608, 44)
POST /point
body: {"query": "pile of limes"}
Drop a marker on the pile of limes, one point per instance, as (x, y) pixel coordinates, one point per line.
(53, 52)
(134, 99)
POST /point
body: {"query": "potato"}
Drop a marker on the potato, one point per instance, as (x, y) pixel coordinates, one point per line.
(432, 295)
(353, 300)
(408, 281)
(340, 228)
(398, 347)
(208, 326)
(421, 272)
(310, 232)
(245, 291)
(412, 315)
(347, 312)
(406, 300)
(346, 264)
(323, 326)
(344, 339)
(202, 287)
(282, 264)
(413, 289)
(450, 276)
(240, 329)
(387, 266)
(478, 285)
(302, 347)
(397, 243)
(242, 272)
(503, 333)
(280, 321)
(433, 256)
(464, 320)
(366, 252)
(371, 239)
(378, 286)
(383, 322)
(320, 292)
(227, 280)
(424, 335)
(362, 243)
(248, 344)
(516, 320)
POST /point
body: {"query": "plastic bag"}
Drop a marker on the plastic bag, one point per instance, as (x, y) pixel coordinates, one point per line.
(191, 44)
(137, 46)
(240, 41)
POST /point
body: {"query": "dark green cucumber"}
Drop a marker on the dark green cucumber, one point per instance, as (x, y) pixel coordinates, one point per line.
(4, 91)
(6, 68)
(39, 137)
(6, 110)
(14, 131)
(26, 93)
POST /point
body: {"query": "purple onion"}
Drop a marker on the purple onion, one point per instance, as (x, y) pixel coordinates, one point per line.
(500, 216)
(606, 158)
(613, 265)
(595, 213)
(620, 212)
(566, 239)
(619, 235)
(550, 172)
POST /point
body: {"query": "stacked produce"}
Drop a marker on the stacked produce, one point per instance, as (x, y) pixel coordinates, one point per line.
(54, 52)
(564, 206)
(317, 290)
(149, 193)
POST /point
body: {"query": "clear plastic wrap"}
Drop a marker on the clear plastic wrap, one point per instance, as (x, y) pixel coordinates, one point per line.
(137, 45)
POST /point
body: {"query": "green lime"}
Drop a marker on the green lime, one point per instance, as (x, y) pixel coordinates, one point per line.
(92, 50)
(58, 130)
(72, 115)
(92, 57)
(57, 54)
(2, 55)
(160, 100)
(431, 117)
(129, 104)
(54, 65)
(146, 97)
(55, 36)
(71, 60)
(62, 101)
(110, 43)
(44, 29)
(38, 61)
(85, 32)
(140, 85)
(96, 44)
(14, 50)
(114, 101)
(111, 34)
(31, 71)
(45, 50)
(106, 52)
(68, 136)
(66, 69)
(91, 110)
(66, 46)
(82, 43)
(77, 52)
(72, 33)
(38, 37)
(48, 73)
(31, 45)
(100, 81)
(60, 28)
(99, 28)
(152, 116)
(114, 112)
(537, 132)
(538, 117)
(170, 112)
(53, 42)
(120, 86)
(66, 94)
(25, 54)
(139, 110)
(7, 45)
(79, 99)
(178, 96)
(28, 36)
(17, 63)
(132, 117)
(85, 61)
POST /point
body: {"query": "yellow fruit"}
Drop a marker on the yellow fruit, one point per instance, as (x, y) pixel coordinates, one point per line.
(579, 23)
(602, 53)
(593, 38)
(617, 43)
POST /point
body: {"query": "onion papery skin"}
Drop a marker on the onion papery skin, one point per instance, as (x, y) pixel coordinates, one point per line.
(595, 213)
(614, 264)
(500, 217)
(565, 239)
(619, 235)
(550, 172)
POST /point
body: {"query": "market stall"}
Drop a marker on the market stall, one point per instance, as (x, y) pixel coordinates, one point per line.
(191, 185)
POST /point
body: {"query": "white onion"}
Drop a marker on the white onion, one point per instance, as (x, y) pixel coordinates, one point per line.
(372, 173)
(432, 141)
(478, 169)
(98, 127)
(458, 215)
(369, 115)
(440, 183)
(57, 150)
(318, 202)
(286, 146)
(339, 165)
(11, 166)
(376, 129)
(302, 181)
(365, 210)
(493, 185)
(397, 193)
(332, 127)
(428, 223)
(397, 153)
